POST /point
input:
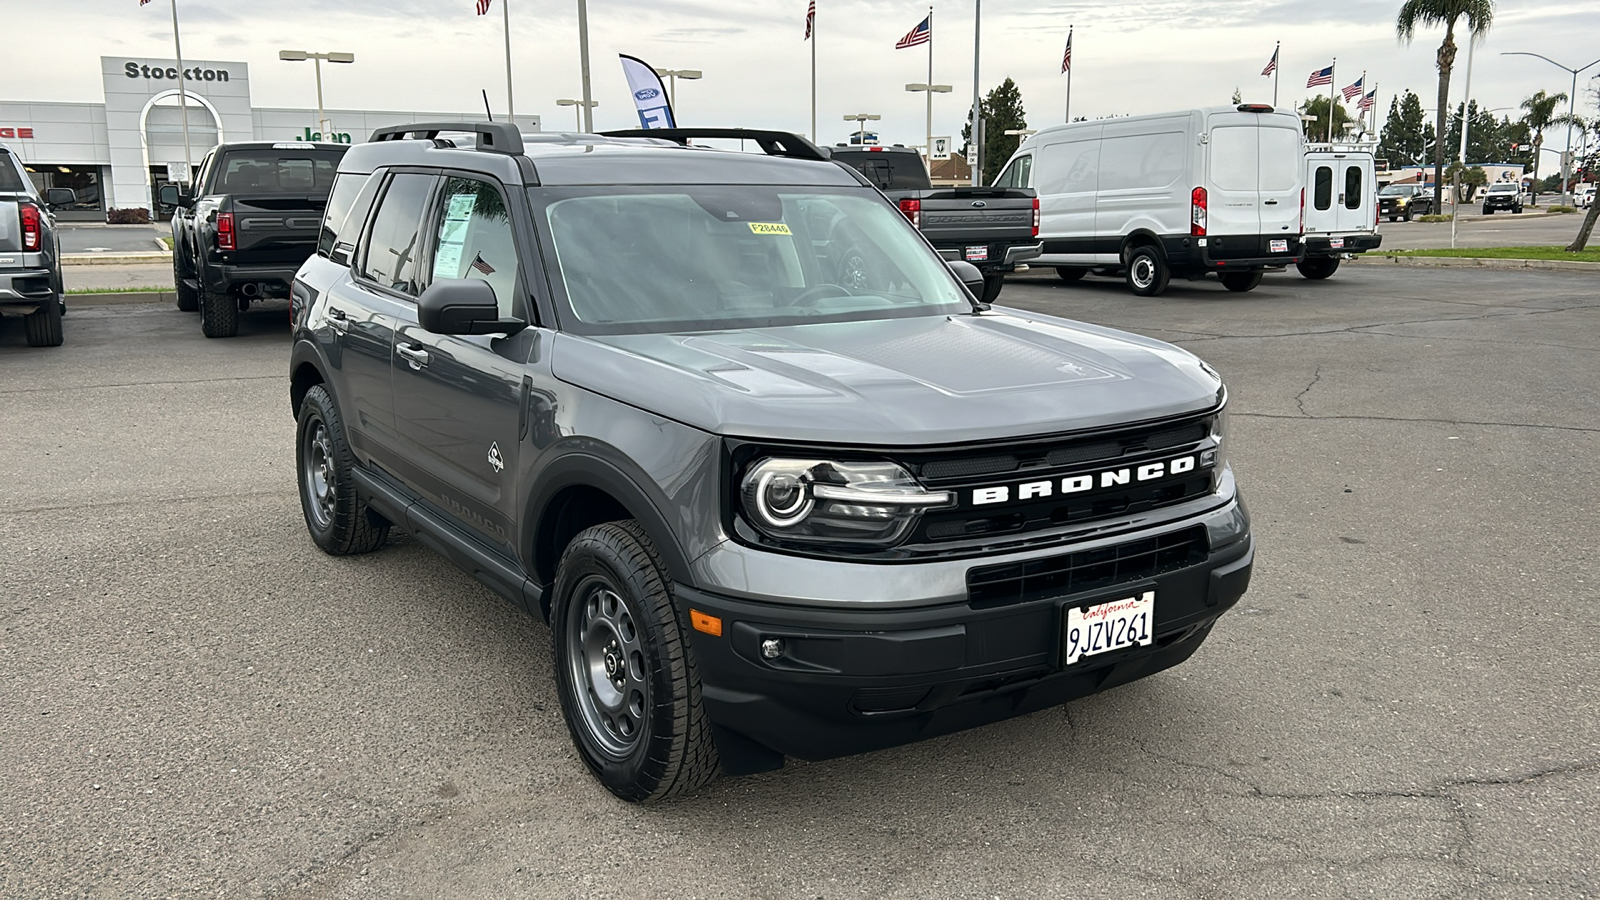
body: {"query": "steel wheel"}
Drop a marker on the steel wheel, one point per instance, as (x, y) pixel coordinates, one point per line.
(608, 668)
(316, 463)
(1142, 273)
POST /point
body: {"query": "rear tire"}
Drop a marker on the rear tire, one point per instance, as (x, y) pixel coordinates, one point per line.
(219, 314)
(1070, 273)
(1317, 268)
(991, 287)
(1147, 272)
(43, 325)
(625, 672)
(1241, 282)
(335, 514)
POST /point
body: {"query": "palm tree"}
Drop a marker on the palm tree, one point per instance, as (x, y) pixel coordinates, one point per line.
(1415, 13)
(1540, 113)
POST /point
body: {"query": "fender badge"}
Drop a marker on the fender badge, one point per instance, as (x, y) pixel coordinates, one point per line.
(495, 459)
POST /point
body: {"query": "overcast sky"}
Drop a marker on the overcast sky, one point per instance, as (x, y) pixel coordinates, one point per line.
(1131, 57)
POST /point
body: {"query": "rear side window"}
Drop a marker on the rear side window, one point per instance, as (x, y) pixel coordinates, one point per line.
(394, 242)
(474, 239)
(275, 172)
(887, 171)
(1068, 167)
(1234, 159)
(10, 176)
(1352, 187)
(1322, 187)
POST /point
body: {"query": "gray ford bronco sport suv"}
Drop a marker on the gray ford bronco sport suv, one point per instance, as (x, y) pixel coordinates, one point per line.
(621, 381)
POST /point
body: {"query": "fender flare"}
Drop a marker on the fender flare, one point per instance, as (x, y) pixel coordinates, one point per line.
(583, 469)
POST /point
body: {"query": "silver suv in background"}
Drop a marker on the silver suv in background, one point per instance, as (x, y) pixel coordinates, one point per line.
(30, 258)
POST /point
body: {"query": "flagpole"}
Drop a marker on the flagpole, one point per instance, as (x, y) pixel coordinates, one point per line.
(1069, 77)
(977, 110)
(928, 147)
(183, 98)
(511, 107)
(1277, 66)
(813, 73)
(1362, 96)
(1333, 95)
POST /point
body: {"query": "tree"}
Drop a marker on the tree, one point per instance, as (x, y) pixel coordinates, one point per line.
(1488, 140)
(1238, 97)
(1415, 14)
(1471, 179)
(1002, 112)
(1318, 130)
(1540, 113)
(1401, 138)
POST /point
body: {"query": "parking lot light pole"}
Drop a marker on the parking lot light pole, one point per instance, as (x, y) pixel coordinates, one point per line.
(672, 84)
(930, 90)
(861, 120)
(1572, 110)
(317, 58)
(578, 108)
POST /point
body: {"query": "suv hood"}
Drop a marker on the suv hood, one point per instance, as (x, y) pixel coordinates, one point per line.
(926, 380)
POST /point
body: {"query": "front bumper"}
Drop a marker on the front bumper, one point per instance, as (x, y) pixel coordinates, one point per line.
(1506, 203)
(853, 680)
(22, 291)
(1322, 244)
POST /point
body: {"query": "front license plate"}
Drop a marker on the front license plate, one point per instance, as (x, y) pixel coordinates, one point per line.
(1280, 246)
(1336, 243)
(977, 254)
(1104, 627)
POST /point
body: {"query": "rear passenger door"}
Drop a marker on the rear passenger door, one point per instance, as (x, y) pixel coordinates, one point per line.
(458, 399)
(1355, 195)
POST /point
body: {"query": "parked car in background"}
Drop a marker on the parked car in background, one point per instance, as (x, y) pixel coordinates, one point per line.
(30, 257)
(1341, 217)
(249, 223)
(1402, 201)
(1583, 197)
(1502, 195)
(1172, 194)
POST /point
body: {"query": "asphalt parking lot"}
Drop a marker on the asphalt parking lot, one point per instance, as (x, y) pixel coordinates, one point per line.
(1404, 706)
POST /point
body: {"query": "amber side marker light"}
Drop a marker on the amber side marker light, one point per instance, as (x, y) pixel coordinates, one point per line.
(709, 624)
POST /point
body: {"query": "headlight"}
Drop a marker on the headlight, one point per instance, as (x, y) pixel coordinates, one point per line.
(819, 501)
(1219, 433)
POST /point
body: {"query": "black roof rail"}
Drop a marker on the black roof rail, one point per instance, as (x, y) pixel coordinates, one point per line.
(772, 143)
(493, 137)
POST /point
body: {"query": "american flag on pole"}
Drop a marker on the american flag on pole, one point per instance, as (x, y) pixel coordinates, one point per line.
(1320, 76)
(918, 35)
(478, 265)
(1066, 57)
(1366, 102)
(1353, 89)
(1272, 64)
(811, 18)
(143, 2)
(483, 6)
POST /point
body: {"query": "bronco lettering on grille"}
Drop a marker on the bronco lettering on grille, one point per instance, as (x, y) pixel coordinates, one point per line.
(1077, 484)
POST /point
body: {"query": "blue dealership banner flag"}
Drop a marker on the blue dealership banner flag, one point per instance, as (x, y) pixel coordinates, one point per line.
(649, 93)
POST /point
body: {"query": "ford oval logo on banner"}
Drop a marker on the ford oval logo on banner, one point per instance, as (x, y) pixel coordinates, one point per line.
(647, 94)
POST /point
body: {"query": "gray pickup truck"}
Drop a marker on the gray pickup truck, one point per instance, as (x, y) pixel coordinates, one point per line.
(994, 228)
(30, 259)
(250, 222)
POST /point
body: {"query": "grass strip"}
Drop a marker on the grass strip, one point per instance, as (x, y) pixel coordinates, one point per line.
(119, 290)
(1591, 254)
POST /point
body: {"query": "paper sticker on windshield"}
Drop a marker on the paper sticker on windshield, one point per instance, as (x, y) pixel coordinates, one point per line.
(769, 228)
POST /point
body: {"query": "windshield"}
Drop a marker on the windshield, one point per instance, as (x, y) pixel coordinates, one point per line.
(1503, 189)
(1396, 190)
(695, 258)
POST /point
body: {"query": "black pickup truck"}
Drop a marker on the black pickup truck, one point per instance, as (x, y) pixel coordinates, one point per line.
(993, 228)
(251, 221)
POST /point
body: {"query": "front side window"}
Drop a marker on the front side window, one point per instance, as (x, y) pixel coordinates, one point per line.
(394, 244)
(699, 258)
(474, 239)
(340, 199)
(1018, 174)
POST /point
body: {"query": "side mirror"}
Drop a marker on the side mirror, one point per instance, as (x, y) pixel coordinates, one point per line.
(55, 197)
(463, 306)
(967, 274)
(171, 195)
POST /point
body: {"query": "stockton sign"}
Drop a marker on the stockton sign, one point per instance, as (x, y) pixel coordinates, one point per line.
(137, 70)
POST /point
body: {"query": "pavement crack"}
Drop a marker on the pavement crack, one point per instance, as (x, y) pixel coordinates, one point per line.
(1420, 420)
(122, 384)
(1300, 398)
(112, 504)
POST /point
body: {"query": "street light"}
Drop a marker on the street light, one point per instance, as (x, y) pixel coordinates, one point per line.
(861, 120)
(1021, 132)
(578, 107)
(930, 90)
(1572, 111)
(302, 56)
(672, 83)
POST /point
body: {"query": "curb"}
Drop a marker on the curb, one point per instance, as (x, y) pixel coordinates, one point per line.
(1477, 262)
(116, 259)
(115, 298)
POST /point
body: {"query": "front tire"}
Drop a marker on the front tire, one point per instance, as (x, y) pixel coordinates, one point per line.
(1147, 272)
(625, 672)
(1317, 268)
(991, 287)
(335, 514)
(219, 314)
(1241, 282)
(43, 325)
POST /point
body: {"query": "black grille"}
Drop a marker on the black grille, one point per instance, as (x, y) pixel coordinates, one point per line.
(1048, 454)
(1086, 570)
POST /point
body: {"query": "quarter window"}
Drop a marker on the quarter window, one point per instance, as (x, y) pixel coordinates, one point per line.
(475, 240)
(393, 246)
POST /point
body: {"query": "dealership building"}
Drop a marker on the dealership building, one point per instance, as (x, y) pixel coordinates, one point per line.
(116, 154)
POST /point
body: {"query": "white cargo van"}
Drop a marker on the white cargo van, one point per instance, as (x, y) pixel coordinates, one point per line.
(1341, 207)
(1183, 193)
